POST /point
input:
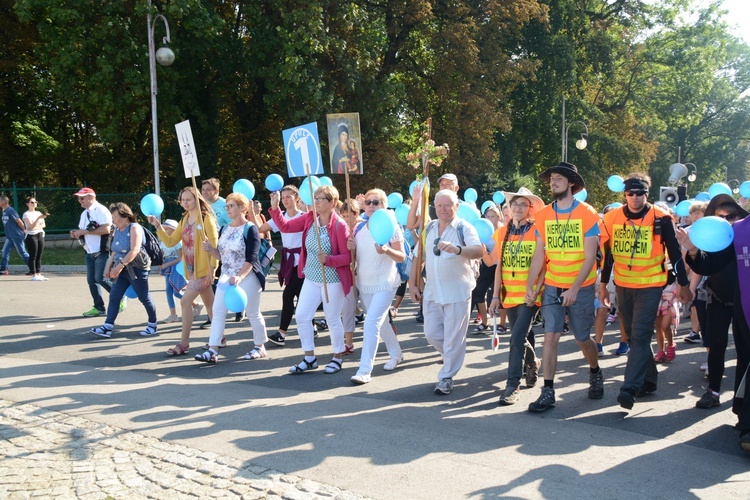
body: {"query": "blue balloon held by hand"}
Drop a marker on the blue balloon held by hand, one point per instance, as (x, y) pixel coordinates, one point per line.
(470, 195)
(130, 293)
(683, 208)
(152, 204)
(274, 182)
(711, 234)
(702, 196)
(402, 214)
(244, 186)
(304, 190)
(235, 299)
(498, 197)
(326, 181)
(484, 230)
(719, 188)
(581, 195)
(616, 183)
(382, 226)
(487, 204)
(395, 200)
(467, 212)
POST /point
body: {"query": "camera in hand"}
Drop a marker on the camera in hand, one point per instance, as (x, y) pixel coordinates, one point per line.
(89, 227)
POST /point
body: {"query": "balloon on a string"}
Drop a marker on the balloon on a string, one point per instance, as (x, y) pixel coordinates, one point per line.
(484, 229)
(487, 204)
(470, 195)
(683, 208)
(244, 186)
(382, 226)
(130, 293)
(702, 196)
(402, 214)
(395, 200)
(616, 183)
(413, 184)
(711, 234)
(467, 212)
(235, 299)
(581, 195)
(498, 197)
(152, 204)
(745, 189)
(274, 182)
(304, 190)
(719, 188)
(326, 181)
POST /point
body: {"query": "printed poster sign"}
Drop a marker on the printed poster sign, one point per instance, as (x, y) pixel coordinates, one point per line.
(302, 150)
(345, 143)
(187, 149)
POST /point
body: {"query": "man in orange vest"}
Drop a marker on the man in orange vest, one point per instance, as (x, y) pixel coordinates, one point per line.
(567, 233)
(635, 237)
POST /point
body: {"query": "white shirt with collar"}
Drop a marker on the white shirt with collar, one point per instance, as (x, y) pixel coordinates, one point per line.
(450, 277)
(99, 213)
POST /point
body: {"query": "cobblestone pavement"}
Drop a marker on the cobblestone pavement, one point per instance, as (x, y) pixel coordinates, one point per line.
(48, 454)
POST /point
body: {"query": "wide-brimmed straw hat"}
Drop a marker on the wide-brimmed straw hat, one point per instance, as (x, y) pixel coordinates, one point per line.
(536, 202)
(568, 170)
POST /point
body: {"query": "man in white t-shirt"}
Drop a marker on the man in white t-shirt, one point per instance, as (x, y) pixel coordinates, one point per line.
(93, 233)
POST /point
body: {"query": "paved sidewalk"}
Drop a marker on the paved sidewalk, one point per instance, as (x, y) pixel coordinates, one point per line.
(54, 455)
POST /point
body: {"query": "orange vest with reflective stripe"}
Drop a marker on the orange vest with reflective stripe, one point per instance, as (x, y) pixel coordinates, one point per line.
(563, 239)
(516, 260)
(637, 252)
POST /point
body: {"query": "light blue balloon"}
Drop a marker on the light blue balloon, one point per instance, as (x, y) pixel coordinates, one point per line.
(412, 186)
(683, 208)
(719, 188)
(326, 181)
(484, 229)
(498, 197)
(467, 212)
(616, 183)
(490, 245)
(304, 190)
(244, 186)
(395, 200)
(130, 293)
(745, 189)
(616, 204)
(702, 196)
(274, 182)
(235, 299)
(470, 195)
(180, 268)
(581, 195)
(382, 226)
(711, 234)
(402, 214)
(487, 204)
(152, 204)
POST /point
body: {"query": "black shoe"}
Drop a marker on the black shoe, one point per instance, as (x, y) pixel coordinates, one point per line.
(206, 325)
(626, 400)
(238, 317)
(745, 441)
(646, 388)
(359, 318)
(545, 402)
(708, 400)
(693, 338)
(420, 318)
(321, 324)
(277, 339)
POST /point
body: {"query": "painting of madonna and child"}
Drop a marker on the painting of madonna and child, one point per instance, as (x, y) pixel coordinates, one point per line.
(344, 143)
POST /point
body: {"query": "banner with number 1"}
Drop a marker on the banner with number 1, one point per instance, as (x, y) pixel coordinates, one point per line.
(302, 148)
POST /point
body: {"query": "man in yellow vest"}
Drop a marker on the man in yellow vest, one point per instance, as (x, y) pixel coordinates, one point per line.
(567, 233)
(634, 239)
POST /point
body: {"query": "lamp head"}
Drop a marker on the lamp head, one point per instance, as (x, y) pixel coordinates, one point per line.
(165, 56)
(581, 143)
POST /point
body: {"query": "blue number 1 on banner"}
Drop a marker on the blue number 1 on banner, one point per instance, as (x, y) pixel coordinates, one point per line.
(301, 145)
(305, 140)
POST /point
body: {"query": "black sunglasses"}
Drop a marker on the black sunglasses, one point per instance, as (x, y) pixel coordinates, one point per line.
(435, 249)
(372, 202)
(729, 217)
(635, 193)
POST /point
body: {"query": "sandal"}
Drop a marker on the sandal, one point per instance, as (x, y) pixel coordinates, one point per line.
(207, 357)
(102, 331)
(257, 353)
(304, 366)
(333, 367)
(221, 346)
(348, 349)
(178, 350)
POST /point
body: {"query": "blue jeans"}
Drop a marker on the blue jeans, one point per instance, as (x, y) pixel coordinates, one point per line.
(140, 286)
(95, 263)
(20, 248)
(520, 318)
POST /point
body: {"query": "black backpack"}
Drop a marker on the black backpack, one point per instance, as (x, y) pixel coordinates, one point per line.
(152, 247)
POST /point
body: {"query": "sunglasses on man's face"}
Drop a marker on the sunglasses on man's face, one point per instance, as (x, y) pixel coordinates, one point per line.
(635, 193)
(729, 217)
(372, 202)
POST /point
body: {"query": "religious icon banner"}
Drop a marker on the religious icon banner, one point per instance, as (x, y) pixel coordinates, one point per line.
(345, 143)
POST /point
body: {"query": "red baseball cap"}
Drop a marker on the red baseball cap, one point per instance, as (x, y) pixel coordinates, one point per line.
(85, 192)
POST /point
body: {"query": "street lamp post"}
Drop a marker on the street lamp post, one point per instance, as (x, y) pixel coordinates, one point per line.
(165, 57)
(580, 143)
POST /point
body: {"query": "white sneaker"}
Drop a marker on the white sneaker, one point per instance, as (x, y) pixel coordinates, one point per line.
(43, 278)
(360, 378)
(392, 364)
(172, 318)
(704, 367)
(36, 277)
(197, 309)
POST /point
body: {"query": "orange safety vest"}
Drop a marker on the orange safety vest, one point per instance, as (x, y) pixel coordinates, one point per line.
(514, 267)
(563, 238)
(637, 252)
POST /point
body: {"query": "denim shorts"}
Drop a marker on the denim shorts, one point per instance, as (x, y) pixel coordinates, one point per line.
(580, 314)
